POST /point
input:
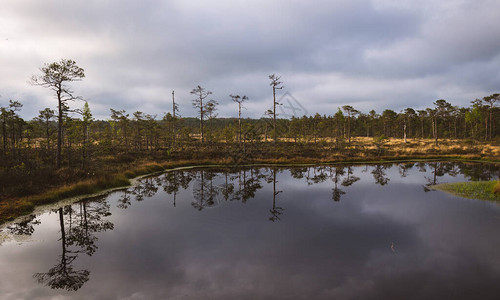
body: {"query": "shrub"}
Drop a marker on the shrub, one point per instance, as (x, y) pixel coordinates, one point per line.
(496, 189)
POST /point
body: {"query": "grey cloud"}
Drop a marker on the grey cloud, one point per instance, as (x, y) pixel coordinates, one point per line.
(137, 52)
(465, 33)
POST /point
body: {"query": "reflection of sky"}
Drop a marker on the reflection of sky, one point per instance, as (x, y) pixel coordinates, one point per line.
(377, 242)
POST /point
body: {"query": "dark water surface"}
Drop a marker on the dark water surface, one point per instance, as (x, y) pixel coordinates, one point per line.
(330, 232)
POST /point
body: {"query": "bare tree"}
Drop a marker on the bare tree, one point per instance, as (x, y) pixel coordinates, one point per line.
(276, 84)
(201, 94)
(240, 101)
(55, 77)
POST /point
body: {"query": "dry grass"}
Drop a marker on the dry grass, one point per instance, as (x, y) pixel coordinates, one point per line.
(421, 147)
(81, 188)
(16, 207)
(428, 147)
(12, 208)
(114, 172)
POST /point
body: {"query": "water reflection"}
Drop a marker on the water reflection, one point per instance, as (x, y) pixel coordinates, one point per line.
(202, 190)
(25, 227)
(250, 184)
(350, 179)
(336, 173)
(173, 181)
(379, 174)
(214, 186)
(146, 189)
(78, 226)
(275, 211)
(439, 169)
(403, 168)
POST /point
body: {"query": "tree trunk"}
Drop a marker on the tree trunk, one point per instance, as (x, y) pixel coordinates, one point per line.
(422, 127)
(486, 126)
(239, 122)
(201, 119)
(47, 132)
(274, 114)
(491, 122)
(465, 129)
(59, 128)
(349, 128)
(435, 131)
(404, 132)
(455, 128)
(4, 136)
(173, 119)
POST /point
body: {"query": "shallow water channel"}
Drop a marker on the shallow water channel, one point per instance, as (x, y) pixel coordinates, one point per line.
(325, 232)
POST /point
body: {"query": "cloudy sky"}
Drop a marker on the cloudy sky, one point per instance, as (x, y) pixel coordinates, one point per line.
(371, 54)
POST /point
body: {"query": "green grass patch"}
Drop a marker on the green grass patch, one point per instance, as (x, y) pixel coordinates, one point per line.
(483, 190)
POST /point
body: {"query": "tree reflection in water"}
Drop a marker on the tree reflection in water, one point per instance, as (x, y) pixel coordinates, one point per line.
(228, 187)
(213, 186)
(146, 189)
(250, 184)
(124, 199)
(318, 175)
(26, 227)
(77, 227)
(80, 222)
(350, 179)
(335, 174)
(404, 167)
(275, 211)
(379, 174)
(173, 181)
(204, 193)
(243, 183)
(476, 172)
(439, 169)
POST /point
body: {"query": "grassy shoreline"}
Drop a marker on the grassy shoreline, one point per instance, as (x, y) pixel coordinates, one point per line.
(482, 190)
(10, 210)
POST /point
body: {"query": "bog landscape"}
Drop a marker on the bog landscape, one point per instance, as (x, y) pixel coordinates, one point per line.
(57, 155)
(308, 175)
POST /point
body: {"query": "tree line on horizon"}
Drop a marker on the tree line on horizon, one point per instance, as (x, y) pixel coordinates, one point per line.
(70, 137)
